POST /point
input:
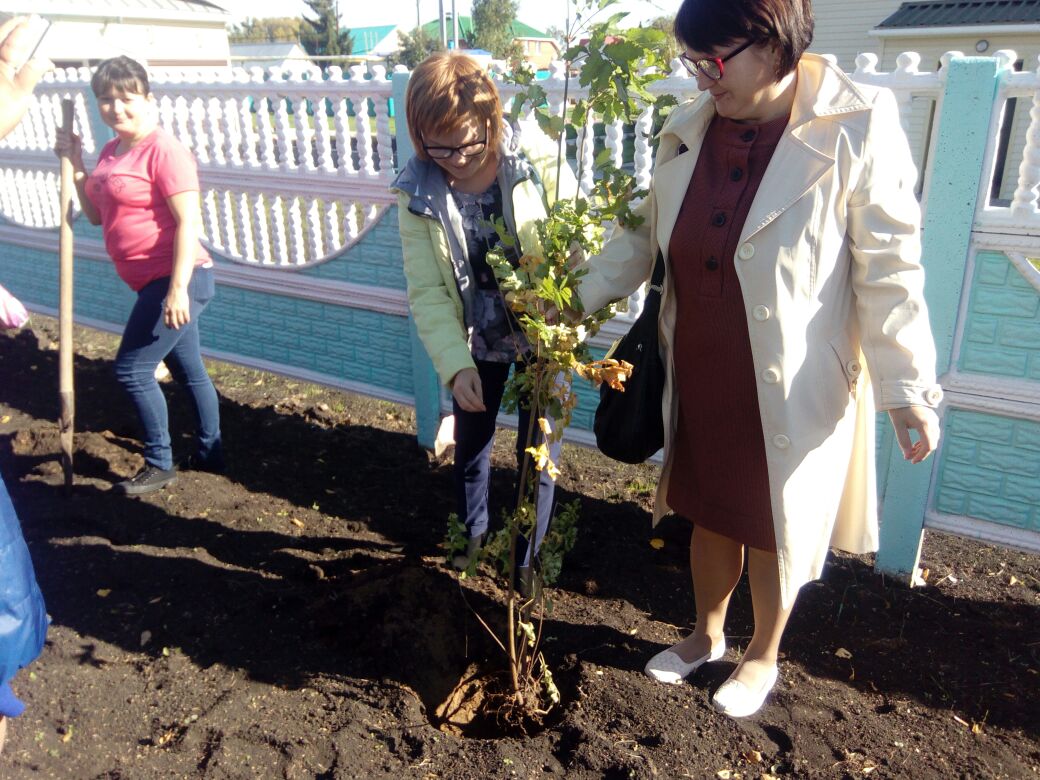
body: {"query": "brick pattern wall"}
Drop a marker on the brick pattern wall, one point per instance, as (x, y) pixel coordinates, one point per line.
(990, 469)
(375, 260)
(351, 344)
(1002, 332)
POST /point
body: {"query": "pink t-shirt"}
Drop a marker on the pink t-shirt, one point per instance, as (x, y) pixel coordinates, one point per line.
(130, 192)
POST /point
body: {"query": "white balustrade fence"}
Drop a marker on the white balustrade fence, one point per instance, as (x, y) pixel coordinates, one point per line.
(1020, 214)
(295, 166)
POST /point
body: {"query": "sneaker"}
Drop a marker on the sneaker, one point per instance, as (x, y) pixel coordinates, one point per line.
(147, 480)
(213, 464)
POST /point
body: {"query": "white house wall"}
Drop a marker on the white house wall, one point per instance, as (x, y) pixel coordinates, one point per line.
(157, 44)
(843, 27)
(932, 48)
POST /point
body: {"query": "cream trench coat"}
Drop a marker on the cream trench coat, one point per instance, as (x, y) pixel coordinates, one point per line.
(829, 266)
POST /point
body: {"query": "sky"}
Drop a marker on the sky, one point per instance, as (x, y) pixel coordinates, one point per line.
(540, 14)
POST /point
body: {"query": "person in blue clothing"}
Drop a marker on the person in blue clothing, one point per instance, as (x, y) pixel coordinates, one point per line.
(23, 618)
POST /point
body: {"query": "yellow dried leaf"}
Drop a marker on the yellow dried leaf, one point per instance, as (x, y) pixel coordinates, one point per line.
(1014, 580)
(656, 543)
(67, 736)
(297, 522)
(976, 728)
(543, 424)
(103, 592)
(530, 262)
(608, 370)
(752, 756)
(724, 774)
(5, 419)
(841, 652)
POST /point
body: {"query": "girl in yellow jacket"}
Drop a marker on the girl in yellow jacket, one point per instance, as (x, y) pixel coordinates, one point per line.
(471, 168)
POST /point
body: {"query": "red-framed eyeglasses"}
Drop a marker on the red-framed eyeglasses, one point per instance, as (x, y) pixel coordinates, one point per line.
(711, 67)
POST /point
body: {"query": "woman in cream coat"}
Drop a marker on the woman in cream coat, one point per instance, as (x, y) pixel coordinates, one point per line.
(827, 278)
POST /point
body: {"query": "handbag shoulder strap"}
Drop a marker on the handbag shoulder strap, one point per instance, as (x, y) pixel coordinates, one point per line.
(657, 277)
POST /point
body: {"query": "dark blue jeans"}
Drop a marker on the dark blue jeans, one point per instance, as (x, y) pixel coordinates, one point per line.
(474, 437)
(146, 341)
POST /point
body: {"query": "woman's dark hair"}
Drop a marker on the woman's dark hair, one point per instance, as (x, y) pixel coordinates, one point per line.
(703, 25)
(122, 73)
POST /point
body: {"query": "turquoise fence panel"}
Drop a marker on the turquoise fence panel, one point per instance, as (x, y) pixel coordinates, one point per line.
(990, 469)
(375, 260)
(960, 149)
(99, 294)
(1002, 331)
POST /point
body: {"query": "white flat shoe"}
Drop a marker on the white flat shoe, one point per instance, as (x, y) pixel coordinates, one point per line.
(735, 699)
(668, 667)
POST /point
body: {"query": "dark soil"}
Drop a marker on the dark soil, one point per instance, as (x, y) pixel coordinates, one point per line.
(295, 618)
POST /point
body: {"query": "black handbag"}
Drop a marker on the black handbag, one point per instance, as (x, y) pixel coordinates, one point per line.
(629, 425)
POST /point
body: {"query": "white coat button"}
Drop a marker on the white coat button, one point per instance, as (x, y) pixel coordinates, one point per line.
(761, 313)
(853, 367)
(770, 376)
(933, 396)
(746, 251)
(781, 442)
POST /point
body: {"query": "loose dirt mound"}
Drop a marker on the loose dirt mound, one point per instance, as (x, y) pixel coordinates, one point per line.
(294, 618)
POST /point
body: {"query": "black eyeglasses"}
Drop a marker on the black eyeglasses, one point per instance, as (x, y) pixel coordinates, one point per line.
(472, 149)
(711, 67)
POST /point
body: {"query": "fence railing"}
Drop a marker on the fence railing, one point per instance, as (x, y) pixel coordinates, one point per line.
(294, 168)
(295, 164)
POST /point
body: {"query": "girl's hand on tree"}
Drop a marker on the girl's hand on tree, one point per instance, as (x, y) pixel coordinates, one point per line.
(176, 308)
(466, 389)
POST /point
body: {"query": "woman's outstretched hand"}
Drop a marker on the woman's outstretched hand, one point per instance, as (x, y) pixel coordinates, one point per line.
(925, 422)
(17, 76)
(466, 389)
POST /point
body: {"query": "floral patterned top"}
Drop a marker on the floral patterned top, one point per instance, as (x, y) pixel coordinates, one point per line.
(496, 337)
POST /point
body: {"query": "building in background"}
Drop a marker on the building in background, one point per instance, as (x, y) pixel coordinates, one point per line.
(931, 28)
(375, 43)
(539, 48)
(160, 33)
(268, 55)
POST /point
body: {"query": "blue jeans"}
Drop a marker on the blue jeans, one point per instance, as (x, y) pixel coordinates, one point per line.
(474, 437)
(146, 341)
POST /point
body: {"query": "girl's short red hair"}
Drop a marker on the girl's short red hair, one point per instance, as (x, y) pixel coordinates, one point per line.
(444, 90)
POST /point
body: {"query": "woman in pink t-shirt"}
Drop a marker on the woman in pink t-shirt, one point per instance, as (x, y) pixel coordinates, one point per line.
(144, 193)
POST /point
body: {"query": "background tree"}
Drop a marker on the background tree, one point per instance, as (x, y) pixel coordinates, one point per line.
(323, 36)
(493, 28)
(668, 49)
(416, 47)
(557, 34)
(278, 29)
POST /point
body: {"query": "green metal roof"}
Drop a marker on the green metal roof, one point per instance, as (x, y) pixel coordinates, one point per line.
(520, 30)
(365, 38)
(963, 13)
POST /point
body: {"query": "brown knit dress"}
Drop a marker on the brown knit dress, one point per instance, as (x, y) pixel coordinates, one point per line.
(719, 479)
